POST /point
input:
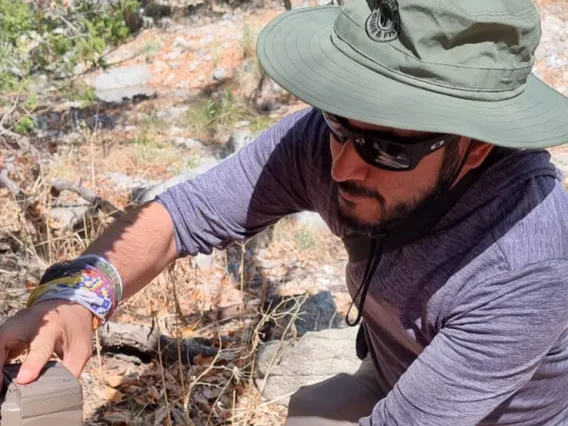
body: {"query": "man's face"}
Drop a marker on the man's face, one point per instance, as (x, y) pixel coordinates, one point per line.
(368, 196)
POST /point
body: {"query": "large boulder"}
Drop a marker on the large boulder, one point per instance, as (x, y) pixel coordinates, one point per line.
(120, 84)
(284, 366)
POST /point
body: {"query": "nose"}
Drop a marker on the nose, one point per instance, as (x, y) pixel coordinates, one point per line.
(347, 164)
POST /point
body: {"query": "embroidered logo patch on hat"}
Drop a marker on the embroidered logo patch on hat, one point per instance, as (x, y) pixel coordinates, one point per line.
(383, 24)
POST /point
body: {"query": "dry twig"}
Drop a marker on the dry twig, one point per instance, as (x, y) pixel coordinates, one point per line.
(59, 185)
(14, 188)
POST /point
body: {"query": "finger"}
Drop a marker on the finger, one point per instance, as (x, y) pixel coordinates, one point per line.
(41, 349)
(76, 359)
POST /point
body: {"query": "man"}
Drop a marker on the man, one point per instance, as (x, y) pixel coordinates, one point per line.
(423, 153)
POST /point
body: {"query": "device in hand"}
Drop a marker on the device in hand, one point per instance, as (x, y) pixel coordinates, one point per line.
(55, 398)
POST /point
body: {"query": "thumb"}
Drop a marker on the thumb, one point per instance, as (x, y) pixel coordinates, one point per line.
(41, 350)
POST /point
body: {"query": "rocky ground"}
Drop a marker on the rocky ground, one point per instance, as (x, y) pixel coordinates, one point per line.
(180, 97)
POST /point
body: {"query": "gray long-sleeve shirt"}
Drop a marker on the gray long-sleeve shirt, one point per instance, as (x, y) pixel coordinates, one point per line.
(467, 325)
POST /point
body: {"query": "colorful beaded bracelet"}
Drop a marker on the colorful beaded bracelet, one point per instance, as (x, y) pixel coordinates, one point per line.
(90, 281)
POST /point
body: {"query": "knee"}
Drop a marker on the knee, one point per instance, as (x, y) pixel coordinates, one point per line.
(316, 399)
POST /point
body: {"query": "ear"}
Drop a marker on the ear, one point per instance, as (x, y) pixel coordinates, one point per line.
(478, 152)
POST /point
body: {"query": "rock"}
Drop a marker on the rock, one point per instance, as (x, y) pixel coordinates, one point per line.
(125, 182)
(193, 66)
(283, 367)
(65, 218)
(121, 84)
(152, 192)
(99, 121)
(206, 40)
(311, 220)
(204, 261)
(219, 74)
(182, 43)
(188, 143)
(317, 313)
(165, 23)
(147, 22)
(560, 160)
(269, 95)
(236, 142)
(174, 54)
(171, 113)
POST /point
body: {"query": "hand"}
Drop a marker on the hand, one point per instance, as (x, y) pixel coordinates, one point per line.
(59, 326)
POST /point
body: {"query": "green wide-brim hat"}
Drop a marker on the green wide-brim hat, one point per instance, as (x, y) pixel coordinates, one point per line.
(455, 66)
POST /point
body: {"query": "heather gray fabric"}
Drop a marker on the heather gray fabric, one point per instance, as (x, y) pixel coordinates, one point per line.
(468, 325)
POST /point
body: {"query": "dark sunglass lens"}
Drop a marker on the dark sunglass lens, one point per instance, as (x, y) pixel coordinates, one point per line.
(336, 128)
(398, 162)
(384, 155)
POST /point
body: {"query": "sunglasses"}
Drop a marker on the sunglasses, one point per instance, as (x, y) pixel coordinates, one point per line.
(384, 150)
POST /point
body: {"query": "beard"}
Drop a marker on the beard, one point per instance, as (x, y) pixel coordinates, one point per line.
(400, 211)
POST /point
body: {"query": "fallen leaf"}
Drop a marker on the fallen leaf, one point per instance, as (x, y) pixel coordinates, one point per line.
(99, 393)
(143, 399)
(179, 416)
(202, 402)
(112, 394)
(203, 360)
(153, 393)
(170, 377)
(113, 380)
(117, 416)
(130, 388)
(160, 415)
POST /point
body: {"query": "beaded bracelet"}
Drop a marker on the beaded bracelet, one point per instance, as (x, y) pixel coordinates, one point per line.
(89, 280)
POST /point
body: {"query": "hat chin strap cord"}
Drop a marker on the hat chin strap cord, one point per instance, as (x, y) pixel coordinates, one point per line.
(379, 238)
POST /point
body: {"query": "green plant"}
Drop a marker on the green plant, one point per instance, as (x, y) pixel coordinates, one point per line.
(16, 25)
(16, 20)
(305, 240)
(51, 38)
(83, 94)
(24, 125)
(248, 42)
(261, 122)
(31, 102)
(216, 115)
(151, 49)
(151, 129)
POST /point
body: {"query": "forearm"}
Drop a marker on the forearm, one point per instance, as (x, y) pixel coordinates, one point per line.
(139, 244)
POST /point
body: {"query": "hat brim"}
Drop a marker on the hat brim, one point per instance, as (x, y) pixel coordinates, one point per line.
(296, 51)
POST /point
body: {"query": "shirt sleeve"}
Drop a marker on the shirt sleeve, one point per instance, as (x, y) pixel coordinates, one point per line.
(248, 191)
(492, 344)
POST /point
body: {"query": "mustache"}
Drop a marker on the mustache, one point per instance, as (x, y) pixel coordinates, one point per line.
(350, 187)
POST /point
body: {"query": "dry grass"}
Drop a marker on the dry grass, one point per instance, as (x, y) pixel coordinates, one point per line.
(214, 390)
(183, 301)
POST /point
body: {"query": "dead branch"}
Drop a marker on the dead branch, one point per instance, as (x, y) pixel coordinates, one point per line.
(10, 112)
(14, 188)
(59, 185)
(149, 341)
(22, 141)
